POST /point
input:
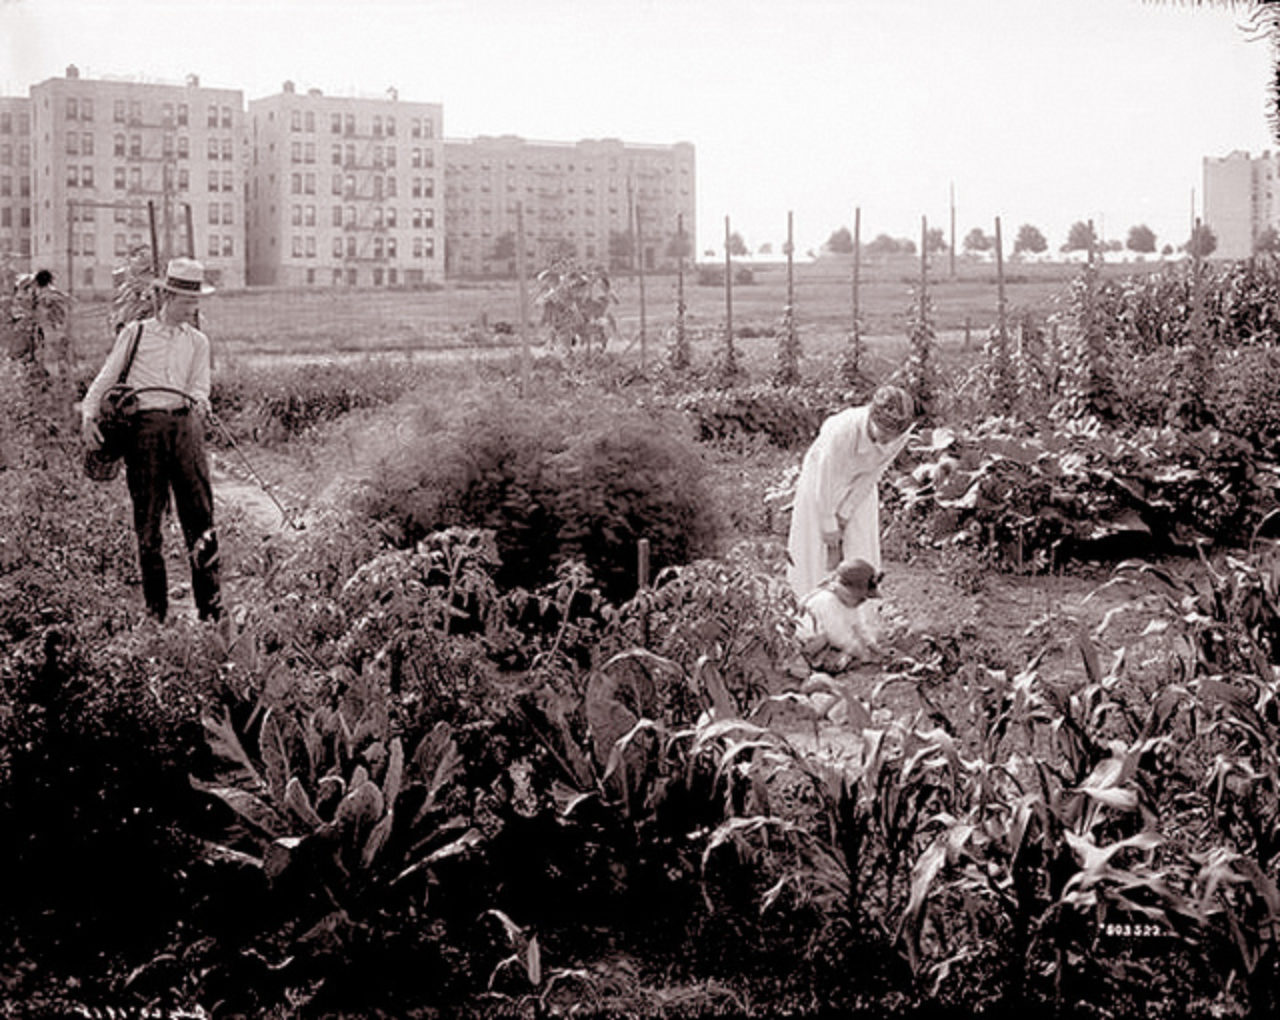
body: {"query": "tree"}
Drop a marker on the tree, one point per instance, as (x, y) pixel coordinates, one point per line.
(736, 245)
(976, 241)
(1203, 242)
(577, 304)
(1142, 239)
(840, 241)
(935, 241)
(1081, 237)
(1029, 239)
(766, 249)
(1267, 242)
(679, 246)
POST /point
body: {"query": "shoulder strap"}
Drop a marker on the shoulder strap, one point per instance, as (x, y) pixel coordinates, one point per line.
(133, 350)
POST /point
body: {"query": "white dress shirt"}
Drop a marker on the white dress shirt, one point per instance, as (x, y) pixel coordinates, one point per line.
(172, 356)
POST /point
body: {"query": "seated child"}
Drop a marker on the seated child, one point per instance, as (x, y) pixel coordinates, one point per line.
(832, 629)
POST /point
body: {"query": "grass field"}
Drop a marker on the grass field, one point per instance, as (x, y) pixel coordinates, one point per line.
(326, 321)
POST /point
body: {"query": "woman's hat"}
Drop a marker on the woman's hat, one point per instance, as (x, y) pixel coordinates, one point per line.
(856, 581)
(184, 276)
(892, 410)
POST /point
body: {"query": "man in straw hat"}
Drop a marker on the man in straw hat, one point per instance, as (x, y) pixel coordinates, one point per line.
(836, 513)
(166, 450)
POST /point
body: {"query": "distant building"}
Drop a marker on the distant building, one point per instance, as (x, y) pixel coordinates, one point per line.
(15, 180)
(576, 198)
(1241, 200)
(107, 152)
(344, 191)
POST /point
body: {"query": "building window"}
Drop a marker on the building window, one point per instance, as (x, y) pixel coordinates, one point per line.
(212, 150)
(117, 111)
(213, 121)
(182, 114)
(337, 185)
(335, 155)
(184, 179)
(417, 247)
(6, 186)
(297, 216)
(335, 124)
(337, 247)
(309, 182)
(428, 217)
(391, 216)
(417, 219)
(213, 180)
(73, 144)
(184, 147)
(227, 149)
(166, 146)
(226, 116)
(295, 152)
(377, 126)
(351, 216)
(297, 246)
(73, 176)
(349, 124)
(428, 187)
(351, 247)
(295, 121)
(228, 213)
(117, 178)
(213, 212)
(86, 145)
(311, 247)
(391, 127)
(391, 251)
(73, 112)
(310, 150)
(415, 128)
(226, 180)
(311, 121)
(120, 247)
(86, 176)
(166, 114)
(296, 184)
(228, 248)
(310, 218)
(377, 247)
(415, 158)
(213, 244)
(337, 215)
(391, 186)
(429, 247)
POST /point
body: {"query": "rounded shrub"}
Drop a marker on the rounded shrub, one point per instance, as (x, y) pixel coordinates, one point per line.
(554, 480)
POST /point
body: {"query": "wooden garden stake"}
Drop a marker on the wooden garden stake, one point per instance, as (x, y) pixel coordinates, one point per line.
(523, 301)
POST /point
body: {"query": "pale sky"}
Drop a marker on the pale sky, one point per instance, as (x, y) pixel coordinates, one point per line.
(1036, 111)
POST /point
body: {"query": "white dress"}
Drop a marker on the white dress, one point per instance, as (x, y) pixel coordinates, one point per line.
(838, 491)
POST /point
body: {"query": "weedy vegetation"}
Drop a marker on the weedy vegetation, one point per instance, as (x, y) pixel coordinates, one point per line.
(462, 755)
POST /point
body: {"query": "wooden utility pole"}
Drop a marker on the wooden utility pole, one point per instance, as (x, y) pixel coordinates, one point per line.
(640, 272)
(791, 288)
(523, 301)
(953, 230)
(924, 266)
(1000, 302)
(857, 262)
(191, 232)
(728, 298)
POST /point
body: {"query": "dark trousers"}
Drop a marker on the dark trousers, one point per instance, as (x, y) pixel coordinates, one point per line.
(167, 454)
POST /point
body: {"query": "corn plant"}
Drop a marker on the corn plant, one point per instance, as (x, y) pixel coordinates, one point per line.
(787, 362)
(577, 303)
(921, 371)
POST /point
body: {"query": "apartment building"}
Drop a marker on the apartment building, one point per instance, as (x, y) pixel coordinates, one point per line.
(344, 191)
(15, 180)
(592, 199)
(1241, 200)
(108, 156)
